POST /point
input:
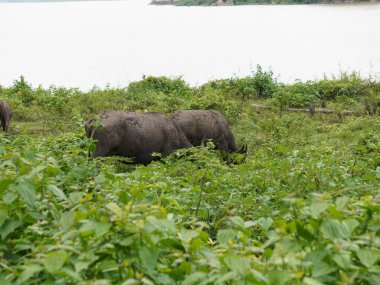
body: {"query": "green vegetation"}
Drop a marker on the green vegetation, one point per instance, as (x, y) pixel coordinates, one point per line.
(249, 2)
(303, 209)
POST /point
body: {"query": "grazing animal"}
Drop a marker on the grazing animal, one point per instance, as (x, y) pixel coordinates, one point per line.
(135, 135)
(200, 125)
(5, 114)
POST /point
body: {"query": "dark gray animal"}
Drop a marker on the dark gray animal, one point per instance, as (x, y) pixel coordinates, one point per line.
(200, 125)
(135, 135)
(5, 114)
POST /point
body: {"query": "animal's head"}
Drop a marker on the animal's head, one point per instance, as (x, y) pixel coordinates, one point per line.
(91, 126)
(238, 156)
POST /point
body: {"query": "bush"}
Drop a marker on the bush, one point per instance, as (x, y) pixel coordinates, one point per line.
(303, 208)
(176, 86)
(261, 84)
(23, 91)
(350, 85)
(297, 95)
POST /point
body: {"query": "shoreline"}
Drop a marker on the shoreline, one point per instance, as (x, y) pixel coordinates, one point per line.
(230, 3)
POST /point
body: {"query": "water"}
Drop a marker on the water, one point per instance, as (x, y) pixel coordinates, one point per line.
(82, 44)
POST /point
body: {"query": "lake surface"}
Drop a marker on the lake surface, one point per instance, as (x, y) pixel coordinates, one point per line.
(82, 44)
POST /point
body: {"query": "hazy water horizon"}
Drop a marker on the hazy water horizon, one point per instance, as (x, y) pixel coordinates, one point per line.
(82, 44)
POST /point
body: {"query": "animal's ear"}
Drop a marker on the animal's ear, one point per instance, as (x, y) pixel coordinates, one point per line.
(88, 128)
(244, 149)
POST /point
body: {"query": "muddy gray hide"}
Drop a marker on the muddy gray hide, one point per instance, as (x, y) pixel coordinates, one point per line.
(201, 125)
(135, 135)
(5, 114)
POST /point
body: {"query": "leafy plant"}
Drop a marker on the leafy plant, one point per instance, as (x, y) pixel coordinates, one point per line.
(303, 208)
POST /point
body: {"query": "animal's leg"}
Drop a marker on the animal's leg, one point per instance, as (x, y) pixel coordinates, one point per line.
(101, 151)
(166, 150)
(5, 125)
(2, 122)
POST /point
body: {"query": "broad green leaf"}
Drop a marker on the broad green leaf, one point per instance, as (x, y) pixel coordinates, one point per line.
(343, 260)
(99, 179)
(75, 197)
(352, 224)
(21, 247)
(316, 256)
(304, 233)
(374, 279)
(188, 235)
(4, 280)
(57, 192)
(100, 282)
(238, 264)
(146, 281)
(341, 202)
(4, 184)
(70, 273)
(194, 278)
(67, 220)
(334, 229)
(98, 228)
(30, 155)
(9, 227)
(249, 224)
(3, 216)
(224, 236)
(116, 211)
(368, 257)
(28, 272)
(276, 277)
(52, 170)
(232, 275)
(311, 281)
(101, 229)
(322, 269)
(238, 221)
(162, 278)
(131, 281)
(9, 197)
(54, 261)
(127, 241)
(81, 265)
(27, 191)
(79, 172)
(172, 243)
(317, 208)
(148, 257)
(265, 222)
(108, 265)
(256, 277)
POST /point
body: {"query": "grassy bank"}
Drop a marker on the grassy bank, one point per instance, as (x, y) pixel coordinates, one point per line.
(303, 209)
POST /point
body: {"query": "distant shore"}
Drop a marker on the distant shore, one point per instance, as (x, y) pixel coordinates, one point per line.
(253, 2)
(215, 2)
(47, 1)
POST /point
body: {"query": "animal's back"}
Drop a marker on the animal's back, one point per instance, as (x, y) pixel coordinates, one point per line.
(137, 135)
(199, 125)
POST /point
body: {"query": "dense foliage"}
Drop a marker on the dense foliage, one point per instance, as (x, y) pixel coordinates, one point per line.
(304, 208)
